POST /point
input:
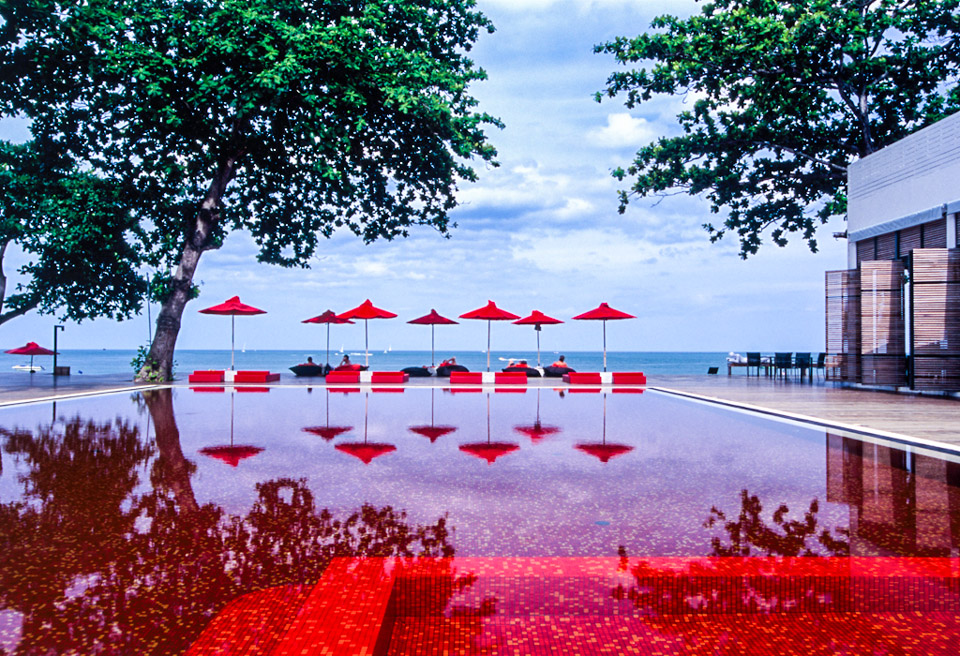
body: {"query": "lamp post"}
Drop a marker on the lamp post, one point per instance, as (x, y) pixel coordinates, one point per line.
(55, 329)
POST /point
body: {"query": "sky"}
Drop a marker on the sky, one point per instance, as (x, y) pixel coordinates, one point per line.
(541, 231)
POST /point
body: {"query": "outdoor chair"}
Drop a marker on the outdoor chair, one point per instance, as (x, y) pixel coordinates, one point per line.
(803, 363)
(753, 360)
(821, 365)
(782, 362)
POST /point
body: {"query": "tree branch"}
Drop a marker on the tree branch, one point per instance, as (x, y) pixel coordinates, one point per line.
(803, 155)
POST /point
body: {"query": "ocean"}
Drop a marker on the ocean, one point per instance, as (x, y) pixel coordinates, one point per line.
(92, 362)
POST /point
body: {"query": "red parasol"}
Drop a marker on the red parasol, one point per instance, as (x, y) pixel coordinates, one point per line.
(328, 432)
(537, 431)
(328, 318)
(537, 319)
(233, 307)
(604, 451)
(432, 432)
(231, 453)
(365, 451)
(31, 349)
(432, 320)
(604, 313)
(366, 311)
(489, 312)
(488, 450)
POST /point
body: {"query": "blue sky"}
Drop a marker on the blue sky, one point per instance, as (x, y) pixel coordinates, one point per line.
(540, 232)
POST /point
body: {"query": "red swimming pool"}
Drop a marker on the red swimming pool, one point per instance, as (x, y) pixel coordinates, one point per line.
(531, 521)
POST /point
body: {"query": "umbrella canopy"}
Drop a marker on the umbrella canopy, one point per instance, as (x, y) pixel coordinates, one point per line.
(328, 432)
(233, 307)
(365, 451)
(328, 318)
(489, 312)
(432, 432)
(366, 311)
(601, 450)
(489, 450)
(432, 319)
(31, 349)
(537, 319)
(604, 313)
(537, 431)
(231, 453)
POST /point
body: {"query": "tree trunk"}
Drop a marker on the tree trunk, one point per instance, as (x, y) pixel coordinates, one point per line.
(172, 468)
(159, 363)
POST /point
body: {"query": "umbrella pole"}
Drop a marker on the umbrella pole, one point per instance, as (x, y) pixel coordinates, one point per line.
(432, 349)
(328, 346)
(488, 346)
(366, 343)
(31, 364)
(604, 347)
(538, 345)
(233, 331)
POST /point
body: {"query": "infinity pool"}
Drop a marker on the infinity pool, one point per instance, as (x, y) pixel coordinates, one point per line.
(129, 522)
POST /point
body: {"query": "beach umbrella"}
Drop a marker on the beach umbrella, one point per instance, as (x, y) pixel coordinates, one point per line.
(233, 307)
(489, 450)
(328, 318)
(489, 313)
(603, 451)
(432, 432)
(365, 451)
(366, 311)
(537, 431)
(31, 349)
(604, 313)
(231, 453)
(328, 432)
(537, 319)
(432, 319)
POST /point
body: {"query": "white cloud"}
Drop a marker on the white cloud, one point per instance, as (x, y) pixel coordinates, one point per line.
(623, 130)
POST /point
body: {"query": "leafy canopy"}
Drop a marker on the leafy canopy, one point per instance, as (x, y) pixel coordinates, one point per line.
(784, 96)
(321, 113)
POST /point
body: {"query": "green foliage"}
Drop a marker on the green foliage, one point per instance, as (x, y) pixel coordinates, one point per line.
(78, 233)
(783, 96)
(321, 114)
(148, 368)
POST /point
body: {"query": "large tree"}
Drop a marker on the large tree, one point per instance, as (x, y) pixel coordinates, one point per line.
(289, 119)
(77, 235)
(783, 96)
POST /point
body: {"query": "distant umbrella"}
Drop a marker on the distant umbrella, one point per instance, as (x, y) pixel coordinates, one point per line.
(489, 450)
(432, 319)
(537, 319)
(328, 318)
(602, 450)
(365, 451)
(231, 453)
(233, 307)
(489, 312)
(432, 432)
(31, 349)
(537, 431)
(328, 432)
(604, 313)
(366, 311)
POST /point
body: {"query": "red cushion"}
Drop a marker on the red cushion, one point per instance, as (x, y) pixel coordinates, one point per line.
(629, 378)
(466, 377)
(208, 376)
(255, 377)
(343, 377)
(510, 378)
(582, 378)
(389, 377)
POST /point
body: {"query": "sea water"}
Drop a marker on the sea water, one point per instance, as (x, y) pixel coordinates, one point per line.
(93, 362)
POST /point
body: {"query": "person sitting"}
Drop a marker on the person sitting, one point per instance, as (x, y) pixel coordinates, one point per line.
(558, 368)
(449, 361)
(561, 363)
(346, 365)
(346, 361)
(308, 363)
(523, 367)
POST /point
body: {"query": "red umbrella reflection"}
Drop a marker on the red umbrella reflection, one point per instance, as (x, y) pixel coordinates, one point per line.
(231, 453)
(432, 432)
(233, 307)
(488, 450)
(31, 349)
(537, 431)
(365, 451)
(537, 319)
(604, 313)
(328, 318)
(328, 432)
(432, 320)
(489, 312)
(366, 311)
(603, 451)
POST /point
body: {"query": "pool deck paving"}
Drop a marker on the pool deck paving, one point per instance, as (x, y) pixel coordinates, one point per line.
(932, 418)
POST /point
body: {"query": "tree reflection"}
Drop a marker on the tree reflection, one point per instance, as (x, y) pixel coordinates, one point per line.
(98, 564)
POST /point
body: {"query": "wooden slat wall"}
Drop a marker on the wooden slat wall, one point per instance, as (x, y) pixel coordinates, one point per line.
(882, 326)
(935, 234)
(910, 239)
(843, 325)
(936, 318)
(887, 246)
(865, 250)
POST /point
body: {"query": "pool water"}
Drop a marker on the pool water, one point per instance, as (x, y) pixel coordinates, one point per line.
(119, 512)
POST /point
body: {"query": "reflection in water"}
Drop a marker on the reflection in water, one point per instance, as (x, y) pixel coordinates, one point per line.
(537, 430)
(94, 563)
(601, 450)
(488, 450)
(327, 431)
(231, 453)
(433, 431)
(365, 451)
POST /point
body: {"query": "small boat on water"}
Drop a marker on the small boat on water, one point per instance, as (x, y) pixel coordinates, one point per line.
(27, 367)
